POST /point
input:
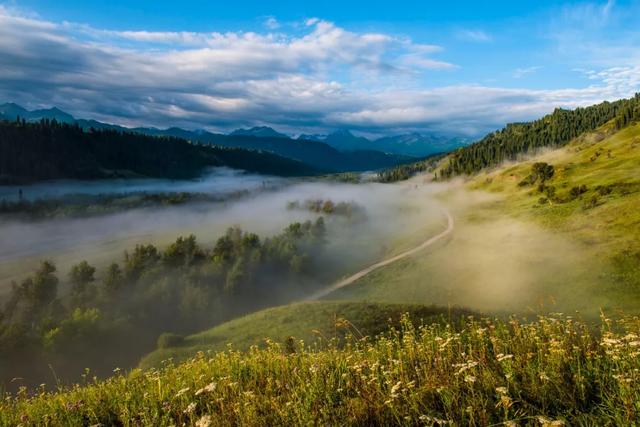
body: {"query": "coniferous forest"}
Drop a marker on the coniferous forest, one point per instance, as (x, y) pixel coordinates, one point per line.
(552, 130)
(51, 150)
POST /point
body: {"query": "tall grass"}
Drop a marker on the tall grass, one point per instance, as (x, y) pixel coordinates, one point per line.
(552, 371)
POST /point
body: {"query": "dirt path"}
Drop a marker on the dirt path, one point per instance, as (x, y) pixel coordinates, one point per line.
(360, 274)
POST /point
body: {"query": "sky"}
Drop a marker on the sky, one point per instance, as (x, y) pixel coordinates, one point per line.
(374, 67)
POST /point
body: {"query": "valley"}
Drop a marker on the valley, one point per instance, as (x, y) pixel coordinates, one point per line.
(528, 265)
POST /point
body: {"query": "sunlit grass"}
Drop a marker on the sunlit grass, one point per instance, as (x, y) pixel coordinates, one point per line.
(553, 371)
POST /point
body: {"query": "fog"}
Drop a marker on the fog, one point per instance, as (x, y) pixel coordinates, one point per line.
(219, 182)
(494, 262)
(397, 216)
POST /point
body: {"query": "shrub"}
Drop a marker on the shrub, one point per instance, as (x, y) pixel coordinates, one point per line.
(577, 191)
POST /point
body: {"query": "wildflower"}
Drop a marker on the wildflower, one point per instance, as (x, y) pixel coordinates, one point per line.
(205, 421)
(502, 357)
(182, 391)
(191, 408)
(209, 388)
(505, 402)
(501, 390)
(544, 377)
(546, 422)
(469, 379)
(465, 366)
(396, 387)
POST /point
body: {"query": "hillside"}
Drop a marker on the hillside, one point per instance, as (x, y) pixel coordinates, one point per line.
(593, 196)
(51, 150)
(572, 244)
(552, 130)
(315, 323)
(554, 371)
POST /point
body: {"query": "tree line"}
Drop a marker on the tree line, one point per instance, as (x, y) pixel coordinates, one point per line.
(51, 150)
(85, 320)
(552, 130)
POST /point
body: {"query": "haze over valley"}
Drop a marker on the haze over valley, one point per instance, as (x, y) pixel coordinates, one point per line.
(339, 214)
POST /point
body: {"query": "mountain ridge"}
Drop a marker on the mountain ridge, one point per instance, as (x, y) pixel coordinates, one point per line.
(317, 155)
(342, 140)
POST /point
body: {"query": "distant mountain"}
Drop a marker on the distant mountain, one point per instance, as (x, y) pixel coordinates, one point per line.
(305, 137)
(341, 151)
(11, 111)
(412, 144)
(314, 153)
(344, 140)
(417, 144)
(260, 132)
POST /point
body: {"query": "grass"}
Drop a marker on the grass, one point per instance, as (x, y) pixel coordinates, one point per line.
(598, 159)
(554, 371)
(315, 323)
(510, 253)
(610, 226)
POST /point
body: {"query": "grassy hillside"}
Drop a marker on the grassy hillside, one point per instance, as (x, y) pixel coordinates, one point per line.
(511, 252)
(552, 130)
(604, 168)
(318, 324)
(551, 372)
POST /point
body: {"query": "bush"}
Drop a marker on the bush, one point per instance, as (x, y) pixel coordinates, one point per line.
(577, 191)
(169, 339)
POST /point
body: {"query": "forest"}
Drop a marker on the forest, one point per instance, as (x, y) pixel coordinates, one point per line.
(50, 150)
(406, 171)
(552, 130)
(107, 319)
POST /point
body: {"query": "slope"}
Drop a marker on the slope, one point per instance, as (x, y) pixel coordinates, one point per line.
(572, 244)
(316, 323)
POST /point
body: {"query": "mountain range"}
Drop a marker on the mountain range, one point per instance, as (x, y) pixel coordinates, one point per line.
(336, 152)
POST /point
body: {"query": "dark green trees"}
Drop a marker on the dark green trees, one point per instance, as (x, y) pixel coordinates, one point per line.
(553, 130)
(51, 150)
(122, 310)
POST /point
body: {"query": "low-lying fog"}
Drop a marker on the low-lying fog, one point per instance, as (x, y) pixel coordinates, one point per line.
(397, 215)
(219, 181)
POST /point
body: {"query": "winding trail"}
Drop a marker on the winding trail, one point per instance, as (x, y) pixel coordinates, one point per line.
(360, 274)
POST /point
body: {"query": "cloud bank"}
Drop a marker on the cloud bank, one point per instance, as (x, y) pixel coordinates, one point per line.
(316, 78)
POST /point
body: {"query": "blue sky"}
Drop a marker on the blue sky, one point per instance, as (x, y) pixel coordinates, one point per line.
(376, 67)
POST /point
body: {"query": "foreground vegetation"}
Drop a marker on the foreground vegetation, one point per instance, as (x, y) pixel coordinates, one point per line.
(553, 371)
(315, 323)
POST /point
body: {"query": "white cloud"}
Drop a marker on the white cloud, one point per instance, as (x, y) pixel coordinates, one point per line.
(326, 77)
